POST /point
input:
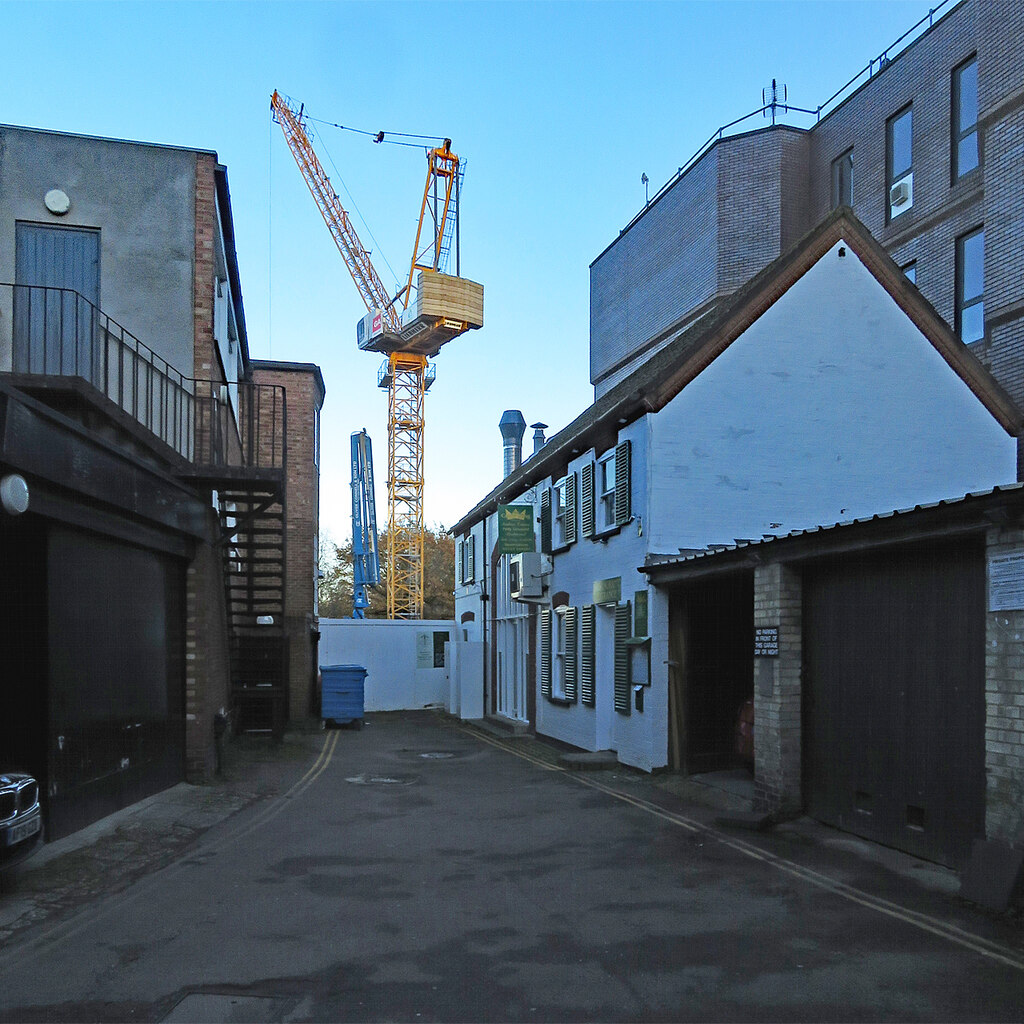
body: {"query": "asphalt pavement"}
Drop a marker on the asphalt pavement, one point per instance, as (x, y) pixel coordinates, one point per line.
(419, 870)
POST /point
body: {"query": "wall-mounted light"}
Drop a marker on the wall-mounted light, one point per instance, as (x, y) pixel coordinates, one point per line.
(14, 494)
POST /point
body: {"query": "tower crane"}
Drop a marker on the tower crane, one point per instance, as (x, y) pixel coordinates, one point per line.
(409, 333)
(365, 562)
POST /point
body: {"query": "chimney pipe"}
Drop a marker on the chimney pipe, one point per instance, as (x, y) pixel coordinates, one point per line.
(512, 425)
(539, 440)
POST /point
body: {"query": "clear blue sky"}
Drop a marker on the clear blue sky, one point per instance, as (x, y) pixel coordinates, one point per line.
(557, 108)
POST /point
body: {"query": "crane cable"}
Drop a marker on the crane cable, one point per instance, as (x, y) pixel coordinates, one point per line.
(382, 136)
(352, 201)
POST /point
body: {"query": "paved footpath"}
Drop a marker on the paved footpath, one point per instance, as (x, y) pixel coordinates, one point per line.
(417, 870)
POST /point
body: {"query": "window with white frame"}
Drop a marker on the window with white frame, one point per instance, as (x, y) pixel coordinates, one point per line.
(558, 661)
(606, 491)
(560, 509)
(563, 511)
(899, 177)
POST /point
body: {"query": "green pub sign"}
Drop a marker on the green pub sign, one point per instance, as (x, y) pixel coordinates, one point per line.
(608, 591)
(515, 529)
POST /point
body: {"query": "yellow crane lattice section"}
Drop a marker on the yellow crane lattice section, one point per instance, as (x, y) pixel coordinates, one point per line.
(405, 485)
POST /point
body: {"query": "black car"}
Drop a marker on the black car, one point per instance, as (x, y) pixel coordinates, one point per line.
(21, 821)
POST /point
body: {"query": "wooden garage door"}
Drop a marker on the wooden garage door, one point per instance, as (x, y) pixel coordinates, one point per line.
(894, 692)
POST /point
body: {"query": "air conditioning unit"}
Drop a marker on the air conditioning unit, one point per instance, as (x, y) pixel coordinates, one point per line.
(525, 579)
(900, 193)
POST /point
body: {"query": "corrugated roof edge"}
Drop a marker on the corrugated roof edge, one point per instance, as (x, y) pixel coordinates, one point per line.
(655, 383)
(654, 563)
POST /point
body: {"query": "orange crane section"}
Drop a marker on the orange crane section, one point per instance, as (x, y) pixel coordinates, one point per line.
(445, 307)
(356, 257)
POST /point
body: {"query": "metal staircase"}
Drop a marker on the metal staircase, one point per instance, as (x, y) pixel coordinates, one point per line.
(253, 531)
(222, 438)
(240, 452)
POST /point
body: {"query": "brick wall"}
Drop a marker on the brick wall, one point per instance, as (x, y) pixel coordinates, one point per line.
(207, 676)
(1004, 703)
(302, 523)
(658, 270)
(207, 363)
(752, 196)
(777, 691)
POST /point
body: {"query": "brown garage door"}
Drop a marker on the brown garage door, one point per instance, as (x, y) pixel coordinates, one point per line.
(894, 697)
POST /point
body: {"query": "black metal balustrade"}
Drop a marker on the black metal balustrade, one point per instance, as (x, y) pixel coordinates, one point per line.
(55, 333)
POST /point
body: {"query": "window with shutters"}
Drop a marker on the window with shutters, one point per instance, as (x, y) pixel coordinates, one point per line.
(606, 491)
(587, 519)
(563, 509)
(623, 630)
(570, 677)
(467, 559)
(545, 521)
(559, 653)
(558, 665)
(545, 652)
(588, 626)
(623, 483)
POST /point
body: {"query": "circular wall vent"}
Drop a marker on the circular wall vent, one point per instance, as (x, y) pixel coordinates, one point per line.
(57, 201)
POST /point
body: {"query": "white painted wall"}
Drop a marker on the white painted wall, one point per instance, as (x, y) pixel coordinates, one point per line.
(466, 680)
(387, 649)
(640, 738)
(831, 406)
(470, 609)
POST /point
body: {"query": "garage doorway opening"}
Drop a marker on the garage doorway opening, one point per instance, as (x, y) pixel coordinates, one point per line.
(711, 642)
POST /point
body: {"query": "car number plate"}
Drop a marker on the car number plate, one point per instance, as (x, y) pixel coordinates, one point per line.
(16, 833)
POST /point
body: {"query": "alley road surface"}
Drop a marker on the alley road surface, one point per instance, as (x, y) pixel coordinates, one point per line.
(421, 872)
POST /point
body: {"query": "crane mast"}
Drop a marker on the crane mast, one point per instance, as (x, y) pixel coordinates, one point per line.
(445, 307)
(365, 559)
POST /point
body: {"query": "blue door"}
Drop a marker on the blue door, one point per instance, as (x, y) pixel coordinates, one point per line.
(56, 301)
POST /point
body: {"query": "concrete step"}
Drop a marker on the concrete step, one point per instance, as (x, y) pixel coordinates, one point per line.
(589, 761)
(503, 728)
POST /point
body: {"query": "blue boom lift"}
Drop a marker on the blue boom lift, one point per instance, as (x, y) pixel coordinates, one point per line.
(365, 558)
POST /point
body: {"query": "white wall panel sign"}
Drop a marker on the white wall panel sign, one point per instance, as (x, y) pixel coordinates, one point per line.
(1006, 581)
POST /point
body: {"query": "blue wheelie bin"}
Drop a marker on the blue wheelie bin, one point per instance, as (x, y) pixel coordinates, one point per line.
(342, 694)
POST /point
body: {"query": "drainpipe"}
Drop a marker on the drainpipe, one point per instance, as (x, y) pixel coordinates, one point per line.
(485, 559)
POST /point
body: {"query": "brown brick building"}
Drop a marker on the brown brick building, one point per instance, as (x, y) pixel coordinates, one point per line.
(303, 385)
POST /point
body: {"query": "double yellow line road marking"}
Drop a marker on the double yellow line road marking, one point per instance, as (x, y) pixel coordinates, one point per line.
(984, 947)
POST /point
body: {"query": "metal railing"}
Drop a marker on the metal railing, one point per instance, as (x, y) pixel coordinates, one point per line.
(58, 333)
(873, 67)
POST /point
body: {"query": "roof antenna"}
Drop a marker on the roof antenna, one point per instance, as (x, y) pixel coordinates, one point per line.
(775, 95)
(644, 180)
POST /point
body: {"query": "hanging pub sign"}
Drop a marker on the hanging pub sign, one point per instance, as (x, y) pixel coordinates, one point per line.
(515, 529)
